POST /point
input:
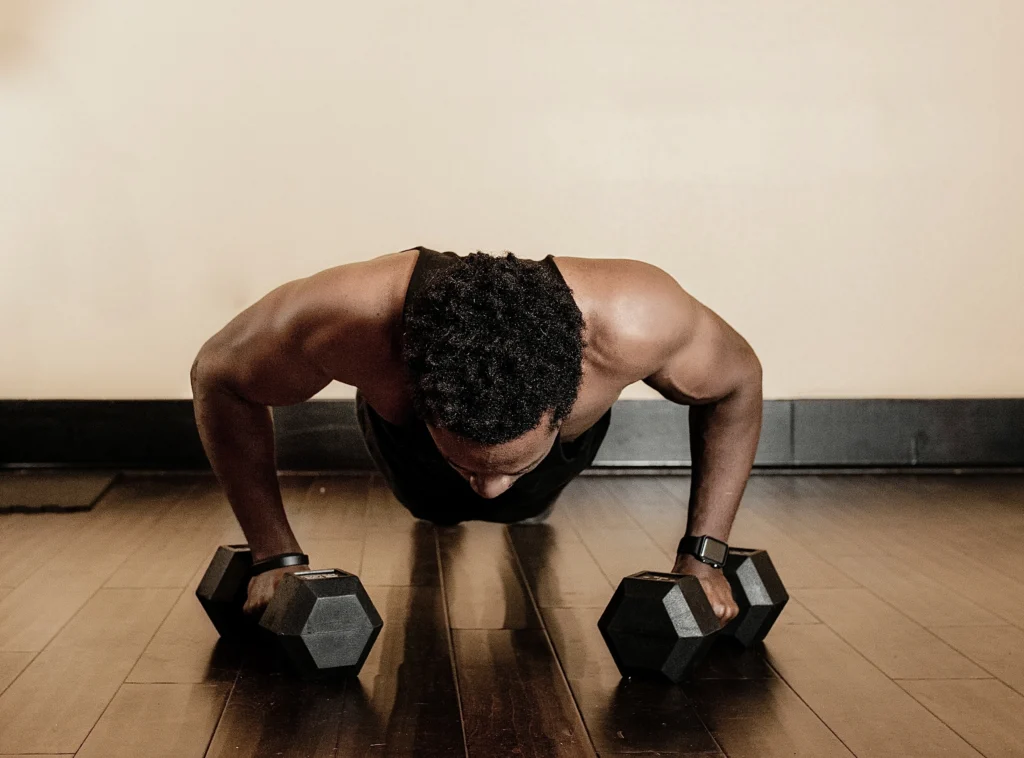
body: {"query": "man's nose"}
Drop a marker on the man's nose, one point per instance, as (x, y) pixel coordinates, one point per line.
(490, 486)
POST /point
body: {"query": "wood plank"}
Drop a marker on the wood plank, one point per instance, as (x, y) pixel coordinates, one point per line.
(482, 583)
(762, 718)
(179, 543)
(965, 576)
(186, 648)
(999, 650)
(598, 503)
(658, 506)
(515, 700)
(926, 527)
(26, 541)
(43, 603)
(157, 721)
(404, 702)
(560, 570)
(383, 511)
(762, 523)
(403, 558)
(917, 529)
(887, 638)
(12, 664)
(796, 613)
(332, 508)
(270, 713)
(622, 715)
(864, 708)
(915, 594)
(715, 754)
(798, 566)
(331, 553)
(985, 712)
(52, 706)
(621, 552)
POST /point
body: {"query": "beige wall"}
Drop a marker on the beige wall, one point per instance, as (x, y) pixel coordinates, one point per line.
(843, 181)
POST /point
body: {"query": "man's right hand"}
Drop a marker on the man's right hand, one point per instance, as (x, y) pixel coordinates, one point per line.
(262, 587)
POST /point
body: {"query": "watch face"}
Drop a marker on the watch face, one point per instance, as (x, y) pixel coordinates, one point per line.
(714, 550)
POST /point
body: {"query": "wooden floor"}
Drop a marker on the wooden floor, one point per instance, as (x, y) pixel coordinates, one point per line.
(904, 635)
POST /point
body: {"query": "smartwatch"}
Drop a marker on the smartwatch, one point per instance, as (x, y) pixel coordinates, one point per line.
(705, 549)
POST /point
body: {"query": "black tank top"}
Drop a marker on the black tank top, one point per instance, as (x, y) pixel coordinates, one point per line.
(425, 483)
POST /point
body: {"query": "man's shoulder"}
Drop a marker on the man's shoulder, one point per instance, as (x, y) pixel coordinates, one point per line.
(350, 313)
(636, 313)
(372, 289)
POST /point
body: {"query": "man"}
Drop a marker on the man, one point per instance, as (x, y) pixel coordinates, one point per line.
(484, 385)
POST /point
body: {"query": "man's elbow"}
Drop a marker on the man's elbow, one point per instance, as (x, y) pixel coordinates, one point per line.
(205, 372)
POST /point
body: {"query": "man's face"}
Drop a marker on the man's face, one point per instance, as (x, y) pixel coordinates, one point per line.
(492, 469)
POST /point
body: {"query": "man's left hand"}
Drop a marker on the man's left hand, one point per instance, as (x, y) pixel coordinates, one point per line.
(715, 585)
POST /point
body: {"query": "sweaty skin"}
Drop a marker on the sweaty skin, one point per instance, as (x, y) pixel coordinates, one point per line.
(344, 324)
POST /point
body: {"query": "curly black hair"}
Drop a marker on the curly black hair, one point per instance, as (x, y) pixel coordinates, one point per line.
(491, 344)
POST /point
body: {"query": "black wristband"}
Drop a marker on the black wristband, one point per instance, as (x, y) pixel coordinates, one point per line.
(279, 561)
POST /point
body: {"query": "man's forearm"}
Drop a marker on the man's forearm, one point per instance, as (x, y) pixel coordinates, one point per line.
(238, 437)
(723, 440)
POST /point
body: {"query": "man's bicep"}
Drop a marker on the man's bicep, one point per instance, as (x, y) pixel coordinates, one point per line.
(258, 357)
(264, 374)
(710, 362)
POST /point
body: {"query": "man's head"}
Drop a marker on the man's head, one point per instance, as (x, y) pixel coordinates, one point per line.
(494, 349)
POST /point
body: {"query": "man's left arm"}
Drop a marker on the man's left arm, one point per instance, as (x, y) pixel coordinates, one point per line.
(711, 368)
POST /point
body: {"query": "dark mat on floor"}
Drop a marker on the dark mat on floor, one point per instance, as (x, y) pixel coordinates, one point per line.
(34, 491)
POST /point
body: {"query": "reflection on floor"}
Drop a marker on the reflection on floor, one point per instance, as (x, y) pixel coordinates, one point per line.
(904, 635)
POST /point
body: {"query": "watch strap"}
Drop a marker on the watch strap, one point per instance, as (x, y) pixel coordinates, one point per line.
(279, 561)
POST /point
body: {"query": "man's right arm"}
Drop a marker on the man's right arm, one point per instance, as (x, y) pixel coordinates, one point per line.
(254, 362)
(335, 325)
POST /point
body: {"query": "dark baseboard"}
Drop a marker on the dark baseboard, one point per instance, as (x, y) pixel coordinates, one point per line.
(323, 435)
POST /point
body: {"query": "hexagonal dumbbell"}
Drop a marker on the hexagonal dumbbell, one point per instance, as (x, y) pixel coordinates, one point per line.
(658, 624)
(223, 588)
(758, 591)
(662, 625)
(323, 622)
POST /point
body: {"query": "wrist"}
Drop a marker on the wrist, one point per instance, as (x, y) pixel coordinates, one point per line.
(689, 564)
(282, 561)
(270, 549)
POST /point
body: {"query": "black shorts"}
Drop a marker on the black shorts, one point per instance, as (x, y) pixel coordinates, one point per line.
(432, 490)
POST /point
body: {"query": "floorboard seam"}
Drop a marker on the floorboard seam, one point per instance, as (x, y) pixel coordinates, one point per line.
(223, 710)
(897, 610)
(801, 699)
(135, 663)
(965, 557)
(544, 628)
(940, 719)
(451, 641)
(23, 670)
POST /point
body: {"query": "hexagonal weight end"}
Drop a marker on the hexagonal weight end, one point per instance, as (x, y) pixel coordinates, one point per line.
(324, 622)
(222, 590)
(758, 591)
(658, 625)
